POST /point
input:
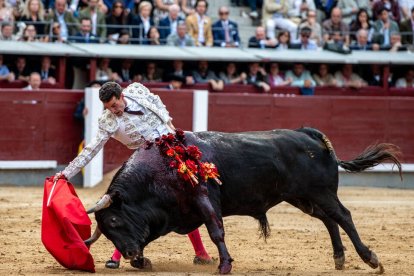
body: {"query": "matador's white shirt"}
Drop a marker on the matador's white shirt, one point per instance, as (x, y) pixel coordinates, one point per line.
(131, 130)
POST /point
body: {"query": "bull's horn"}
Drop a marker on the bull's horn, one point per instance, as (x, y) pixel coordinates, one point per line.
(95, 236)
(103, 203)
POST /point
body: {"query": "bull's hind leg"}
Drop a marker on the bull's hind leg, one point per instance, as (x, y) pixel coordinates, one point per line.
(333, 229)
(331, 205)
(214, 224)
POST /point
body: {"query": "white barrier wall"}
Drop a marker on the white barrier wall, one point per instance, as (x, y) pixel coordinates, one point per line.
(94, 170)
(200, 110)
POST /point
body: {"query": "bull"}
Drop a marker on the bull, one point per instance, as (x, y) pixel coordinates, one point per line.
(146, 199)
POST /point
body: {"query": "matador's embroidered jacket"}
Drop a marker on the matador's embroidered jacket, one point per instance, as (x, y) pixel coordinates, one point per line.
(130, 130)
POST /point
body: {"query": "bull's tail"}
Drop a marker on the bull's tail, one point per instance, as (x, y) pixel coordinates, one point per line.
(370, 157)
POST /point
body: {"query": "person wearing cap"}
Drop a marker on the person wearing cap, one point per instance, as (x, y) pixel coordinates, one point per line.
(176, 82)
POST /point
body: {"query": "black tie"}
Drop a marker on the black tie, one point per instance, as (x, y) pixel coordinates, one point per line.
(127, 110)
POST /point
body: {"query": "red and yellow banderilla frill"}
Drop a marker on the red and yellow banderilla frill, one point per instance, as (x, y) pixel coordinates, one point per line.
(187, 159)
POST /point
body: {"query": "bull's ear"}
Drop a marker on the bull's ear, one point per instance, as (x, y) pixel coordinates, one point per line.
(116, 196)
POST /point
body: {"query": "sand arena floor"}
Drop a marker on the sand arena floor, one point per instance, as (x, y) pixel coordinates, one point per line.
(299, 244)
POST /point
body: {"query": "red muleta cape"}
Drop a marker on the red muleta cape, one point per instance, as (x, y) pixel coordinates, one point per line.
(65, 225)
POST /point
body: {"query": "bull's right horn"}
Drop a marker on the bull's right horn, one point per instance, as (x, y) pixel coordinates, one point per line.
(95, 236)
(103, 203)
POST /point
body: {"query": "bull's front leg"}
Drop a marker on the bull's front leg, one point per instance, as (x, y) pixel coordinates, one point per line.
(214, 226)
(141, 262)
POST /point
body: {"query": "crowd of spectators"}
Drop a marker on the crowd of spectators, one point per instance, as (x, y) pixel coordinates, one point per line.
(310, 24)
(177, 73)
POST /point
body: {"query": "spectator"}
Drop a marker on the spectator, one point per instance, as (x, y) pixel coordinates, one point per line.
(300, 77)
(47, 71)
(365, 5)
(142, 23)
(169, 24)
(347, 78)
(175, 82)
(335, 30)
(104, 72)
(92, 11)
(407, 29)
(20, 70)
(275, 78)
(124, 37)
(152, 74)
(7, 32)
(29, 34)
(178, 69)
(180, 38)
(33, 14)
(305, 43)
(384, 27)
(362, 22)
(324, 8)
(349, 10)
(6, 12)
(395, 43)
(116, 21)
(199, 25)
(204, 75)
(362, 42)
(323, 77)
(187, 6)
(56, 33)
(153, 37)
(297, 9)
(161, 9)
(68, 23)
(85, 35)
(126, 72)
(260, 40)
(253, 5)
(34, 82)
(375, 77)
(391, 6)
(230, 76)
(407, 81)
(283, 40)
(257, 77)
(275, 15)
(5, 73)
(316, 29)
(406, 8)
(225, 31)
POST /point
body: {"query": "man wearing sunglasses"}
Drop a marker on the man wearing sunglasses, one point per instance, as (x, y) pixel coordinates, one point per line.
(225, 31)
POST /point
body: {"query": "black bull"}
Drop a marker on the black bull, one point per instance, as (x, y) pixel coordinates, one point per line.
(258, 169)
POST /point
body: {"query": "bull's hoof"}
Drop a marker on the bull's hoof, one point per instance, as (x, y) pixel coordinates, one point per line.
(112, 264)
(198, 260)
(141, 263)
(225, 267)
(339, 262)
(373, 262)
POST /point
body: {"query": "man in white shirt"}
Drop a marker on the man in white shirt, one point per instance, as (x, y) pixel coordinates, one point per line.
(132, 116)
(34, 82)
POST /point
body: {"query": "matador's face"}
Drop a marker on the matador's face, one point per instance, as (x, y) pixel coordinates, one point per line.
(116, 106)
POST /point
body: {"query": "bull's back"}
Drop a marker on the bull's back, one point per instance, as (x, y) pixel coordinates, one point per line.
(258, 169)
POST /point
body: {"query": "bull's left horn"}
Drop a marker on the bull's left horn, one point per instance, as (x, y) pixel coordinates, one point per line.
(103, 203)
(95, 236)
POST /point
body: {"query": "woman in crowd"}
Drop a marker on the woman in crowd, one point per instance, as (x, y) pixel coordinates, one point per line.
(283, 40)
(275, 78)
(34, 14)
(361, 21)
(142, 23)
(153, 37)
(230, 76)
(152, 74)
(29, 34)
(323, 77)
(119, 17)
